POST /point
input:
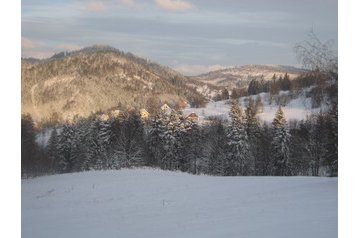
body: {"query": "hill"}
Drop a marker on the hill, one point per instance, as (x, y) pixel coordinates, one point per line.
(97, 78)
(152, 203)
(232, 77)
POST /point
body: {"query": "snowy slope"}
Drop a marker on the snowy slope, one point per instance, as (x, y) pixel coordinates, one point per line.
(153, 203)
(296, 109)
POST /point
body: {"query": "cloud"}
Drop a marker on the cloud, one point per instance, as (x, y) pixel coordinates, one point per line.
(193, 70)
(174, 5)
(128, 3)
(27, 43)
(96, 7)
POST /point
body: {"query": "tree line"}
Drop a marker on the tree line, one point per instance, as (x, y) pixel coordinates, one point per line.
(243, 146)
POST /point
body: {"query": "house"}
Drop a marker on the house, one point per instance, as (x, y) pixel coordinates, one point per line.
(103, 117)
(193, 117)
(116, 113)
(166, 109)
(144, 114)
(182, 104)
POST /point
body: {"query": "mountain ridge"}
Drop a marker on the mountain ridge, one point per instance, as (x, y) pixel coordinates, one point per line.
(80, 83)
(234, 76)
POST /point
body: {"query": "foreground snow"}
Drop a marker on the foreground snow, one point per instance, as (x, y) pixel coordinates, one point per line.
(153, 203)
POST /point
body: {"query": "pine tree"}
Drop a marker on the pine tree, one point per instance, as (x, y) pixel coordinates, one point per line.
(286, 83)
(280, 144)
(173, 142)
(93, 160)
(81, 145)
(239, 160)
(217, 145)
(65, 145)
(191, 155)
(52, 146)
(128, 142)
(264, 159)
(28, 147)
(253, 133)
(135, 144)
(103, 140)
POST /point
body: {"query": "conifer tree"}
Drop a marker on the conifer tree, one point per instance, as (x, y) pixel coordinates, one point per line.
(28, 147)
(191, 157)
(156, 139)
(218, 147)
(52, 153)
(239, 160)
(65, 145)
(253, 132)
(173, 143)
(280, 144)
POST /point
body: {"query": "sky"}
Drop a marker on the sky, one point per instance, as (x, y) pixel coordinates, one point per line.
(191, 36)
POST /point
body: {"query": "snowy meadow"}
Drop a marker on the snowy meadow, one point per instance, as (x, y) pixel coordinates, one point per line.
(155, 203)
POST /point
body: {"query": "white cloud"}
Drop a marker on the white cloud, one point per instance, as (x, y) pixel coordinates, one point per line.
(96, 7)
(193, 70)
(174, 5)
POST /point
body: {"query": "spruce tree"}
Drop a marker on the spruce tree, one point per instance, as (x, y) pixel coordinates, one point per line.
(65, 145)
(239, 159)
(280, 144)
(253, 133)
(29, 147)
(191, 156)
(217, 145)
(52, 153)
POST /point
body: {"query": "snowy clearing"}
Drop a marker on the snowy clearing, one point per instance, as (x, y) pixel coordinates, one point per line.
(154, 203)
(296, 109)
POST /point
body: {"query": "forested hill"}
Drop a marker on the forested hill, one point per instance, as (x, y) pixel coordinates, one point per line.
(235, 76)
(97, 78)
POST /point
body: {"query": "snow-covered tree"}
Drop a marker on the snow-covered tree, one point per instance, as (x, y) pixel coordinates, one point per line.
(155, 139)
(280, 144)
(253, 133)
(81, 146)
(217, 147)
(127, 142)
(191, 156)
(173, 142)
(66, 160)
(239, 159)
(51, 150)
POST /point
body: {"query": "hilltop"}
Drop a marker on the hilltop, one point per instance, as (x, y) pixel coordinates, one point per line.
(98, 78)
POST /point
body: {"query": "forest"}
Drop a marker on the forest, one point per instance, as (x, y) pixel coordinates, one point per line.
(242, 146)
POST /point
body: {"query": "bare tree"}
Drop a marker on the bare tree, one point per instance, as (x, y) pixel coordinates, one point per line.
(318, 56)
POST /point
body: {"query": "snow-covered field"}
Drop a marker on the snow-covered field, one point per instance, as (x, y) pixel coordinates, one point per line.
(154, 203)
(296, 109)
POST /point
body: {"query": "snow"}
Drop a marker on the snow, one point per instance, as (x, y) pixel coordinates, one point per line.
(154, 203)
(43, 137)
(296, 109)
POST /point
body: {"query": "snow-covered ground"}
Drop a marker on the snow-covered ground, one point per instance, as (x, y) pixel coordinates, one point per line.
(154, 203)
(296, 109)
